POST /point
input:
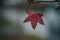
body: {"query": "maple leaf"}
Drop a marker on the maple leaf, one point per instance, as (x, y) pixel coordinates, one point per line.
(34, 18)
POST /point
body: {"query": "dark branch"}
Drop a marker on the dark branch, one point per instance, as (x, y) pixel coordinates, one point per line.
(46, 1)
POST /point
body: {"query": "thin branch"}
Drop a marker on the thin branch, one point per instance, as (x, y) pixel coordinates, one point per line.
(46, 1)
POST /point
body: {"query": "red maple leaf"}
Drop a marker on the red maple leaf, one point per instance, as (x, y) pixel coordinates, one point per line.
(34, 18)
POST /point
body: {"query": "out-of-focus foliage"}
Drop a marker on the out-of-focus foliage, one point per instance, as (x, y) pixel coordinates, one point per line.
(3, 21)
(16, 13)
(15, 37)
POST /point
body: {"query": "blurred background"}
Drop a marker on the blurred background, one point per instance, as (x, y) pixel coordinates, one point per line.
(12, 15)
